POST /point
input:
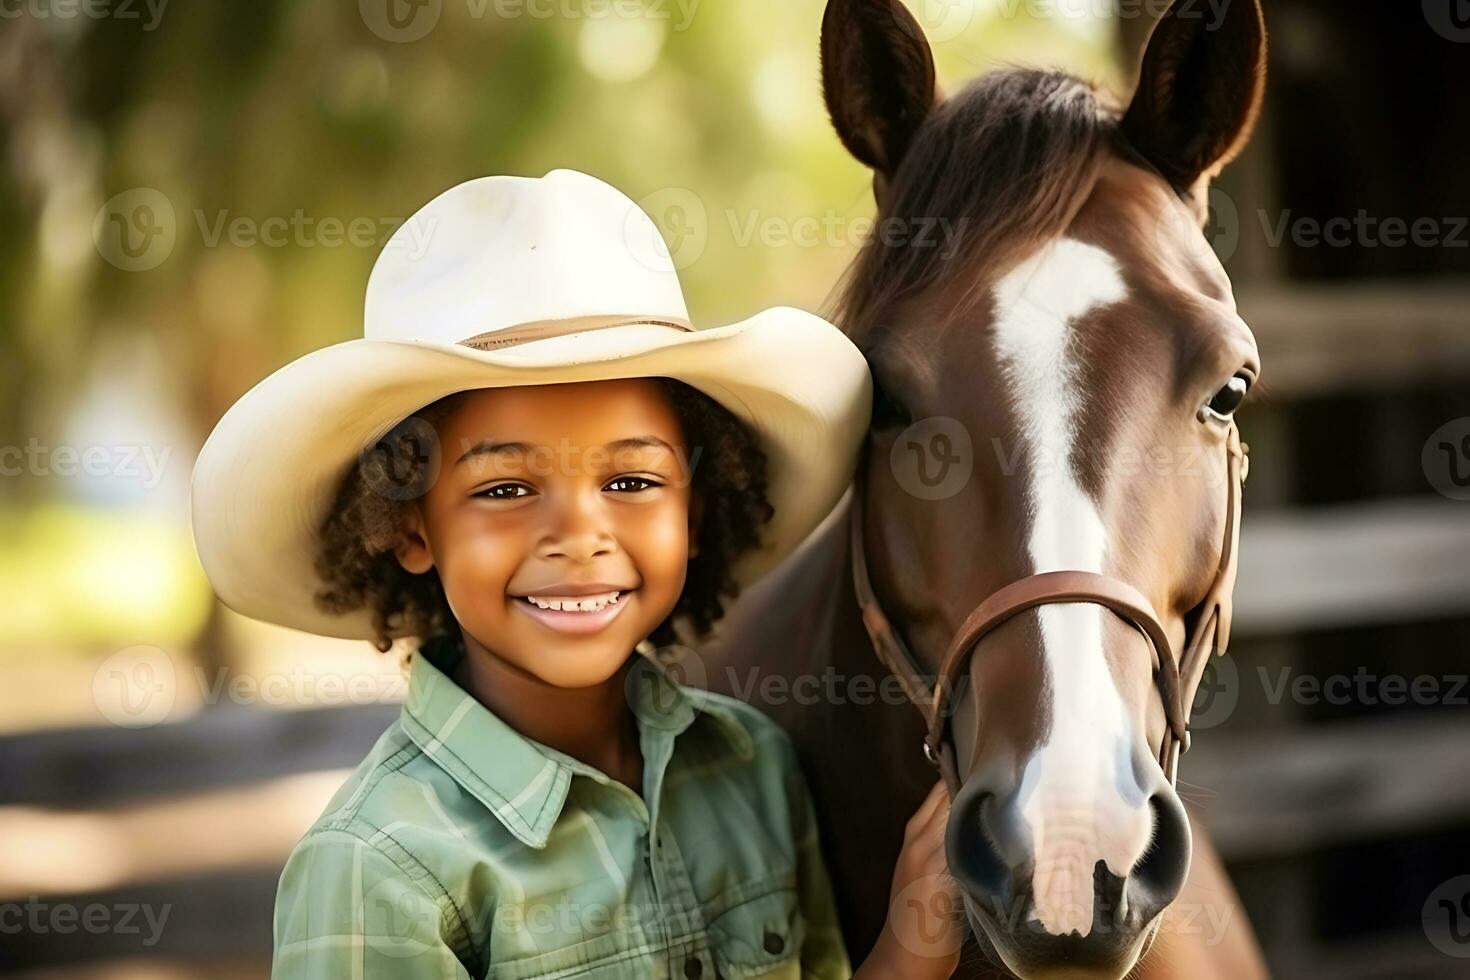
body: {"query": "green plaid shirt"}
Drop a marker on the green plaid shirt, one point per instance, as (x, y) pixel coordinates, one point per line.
(459, 848)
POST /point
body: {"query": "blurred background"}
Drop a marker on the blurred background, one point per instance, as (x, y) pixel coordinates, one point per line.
(193, 194)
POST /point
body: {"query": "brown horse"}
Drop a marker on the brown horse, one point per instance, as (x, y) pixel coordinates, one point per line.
(1055, 383)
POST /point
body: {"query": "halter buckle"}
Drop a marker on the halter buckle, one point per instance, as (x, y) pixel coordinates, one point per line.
(930, 754)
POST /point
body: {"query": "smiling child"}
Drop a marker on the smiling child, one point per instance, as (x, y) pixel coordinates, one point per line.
(533, 470)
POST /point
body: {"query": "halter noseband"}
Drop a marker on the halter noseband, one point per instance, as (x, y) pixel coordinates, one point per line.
(1176, 680)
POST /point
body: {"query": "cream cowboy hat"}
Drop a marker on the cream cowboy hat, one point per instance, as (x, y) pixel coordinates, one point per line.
(511, 281)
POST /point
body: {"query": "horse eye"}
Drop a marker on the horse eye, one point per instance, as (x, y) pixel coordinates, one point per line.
(1229, 398)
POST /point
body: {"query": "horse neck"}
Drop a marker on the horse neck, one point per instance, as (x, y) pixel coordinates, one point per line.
(799, 621)
(794, 645)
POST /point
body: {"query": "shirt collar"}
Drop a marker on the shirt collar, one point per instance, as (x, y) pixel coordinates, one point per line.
(662, 702)
(521, 781)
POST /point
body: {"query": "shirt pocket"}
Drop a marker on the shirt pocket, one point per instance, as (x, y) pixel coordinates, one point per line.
(760, 936)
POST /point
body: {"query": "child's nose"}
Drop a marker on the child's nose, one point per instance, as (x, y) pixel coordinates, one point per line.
(578, 533)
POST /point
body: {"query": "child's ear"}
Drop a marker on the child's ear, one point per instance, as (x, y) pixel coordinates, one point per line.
(696, 518)
(412, 549)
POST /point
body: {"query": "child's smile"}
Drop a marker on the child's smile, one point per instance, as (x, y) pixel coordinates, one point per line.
(571, 608)
(569, 503)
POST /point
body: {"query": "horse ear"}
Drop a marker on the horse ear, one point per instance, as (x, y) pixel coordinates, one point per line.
(1199, 90)
(878, 78)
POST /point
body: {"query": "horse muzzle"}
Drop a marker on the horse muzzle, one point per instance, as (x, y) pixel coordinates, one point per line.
(1059, 896)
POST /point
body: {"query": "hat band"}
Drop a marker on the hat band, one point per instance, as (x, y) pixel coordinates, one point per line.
(546, 329)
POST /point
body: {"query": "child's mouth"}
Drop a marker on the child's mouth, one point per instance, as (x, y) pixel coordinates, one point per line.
(579, 614)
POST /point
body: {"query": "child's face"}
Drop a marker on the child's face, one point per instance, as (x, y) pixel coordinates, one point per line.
(564, 492)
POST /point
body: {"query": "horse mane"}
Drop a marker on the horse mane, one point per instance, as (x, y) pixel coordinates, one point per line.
(1007, 162)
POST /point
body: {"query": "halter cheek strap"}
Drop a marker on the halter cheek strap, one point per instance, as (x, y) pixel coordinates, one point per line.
(1175, 679)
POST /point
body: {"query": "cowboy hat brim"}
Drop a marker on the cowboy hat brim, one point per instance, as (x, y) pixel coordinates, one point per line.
(271, 470)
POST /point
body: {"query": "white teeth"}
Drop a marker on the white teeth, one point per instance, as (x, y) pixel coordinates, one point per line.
(584, 603)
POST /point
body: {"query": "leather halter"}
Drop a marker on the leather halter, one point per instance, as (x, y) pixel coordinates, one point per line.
(1176, 678)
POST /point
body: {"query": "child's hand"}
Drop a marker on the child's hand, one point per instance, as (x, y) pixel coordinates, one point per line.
(926, 916)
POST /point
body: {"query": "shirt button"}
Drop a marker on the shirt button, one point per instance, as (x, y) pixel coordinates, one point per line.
(693, 967)
(774, 943)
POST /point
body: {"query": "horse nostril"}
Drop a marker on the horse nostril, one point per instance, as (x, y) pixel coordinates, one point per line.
(1159, 876)
(975, 841)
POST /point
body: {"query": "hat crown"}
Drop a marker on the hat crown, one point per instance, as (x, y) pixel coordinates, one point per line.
(500, 252)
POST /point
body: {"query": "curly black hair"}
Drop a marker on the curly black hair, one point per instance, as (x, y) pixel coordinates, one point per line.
(356, 558)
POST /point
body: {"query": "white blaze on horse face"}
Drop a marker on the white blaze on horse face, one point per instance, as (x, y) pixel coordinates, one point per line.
(1072, 791)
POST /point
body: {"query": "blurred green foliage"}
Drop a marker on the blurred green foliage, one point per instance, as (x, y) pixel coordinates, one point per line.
(710, 110)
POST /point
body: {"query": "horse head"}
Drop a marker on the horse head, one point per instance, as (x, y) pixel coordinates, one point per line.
(1044, 292)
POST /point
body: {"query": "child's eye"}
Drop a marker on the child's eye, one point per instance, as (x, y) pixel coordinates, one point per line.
(505, 491)
(632, 484)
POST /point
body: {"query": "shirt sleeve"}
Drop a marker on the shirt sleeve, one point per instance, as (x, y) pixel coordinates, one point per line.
(346, 909)
(823, 952)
